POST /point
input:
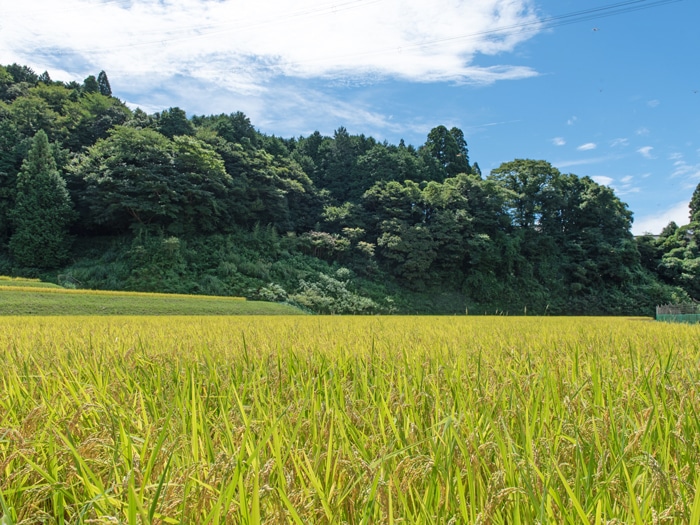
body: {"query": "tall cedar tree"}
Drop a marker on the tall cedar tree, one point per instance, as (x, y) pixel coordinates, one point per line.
(695, 206)
(103, 84)
(42, 212)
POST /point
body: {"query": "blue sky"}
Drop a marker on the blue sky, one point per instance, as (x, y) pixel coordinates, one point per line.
(604, 88)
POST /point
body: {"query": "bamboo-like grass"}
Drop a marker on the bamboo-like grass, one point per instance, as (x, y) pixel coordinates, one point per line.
(349, 420)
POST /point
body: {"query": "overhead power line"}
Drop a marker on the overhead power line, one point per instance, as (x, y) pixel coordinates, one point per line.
(193, 32)
(539, 24)
(585, 15)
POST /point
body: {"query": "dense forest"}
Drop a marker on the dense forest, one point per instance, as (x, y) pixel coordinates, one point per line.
(95, 195)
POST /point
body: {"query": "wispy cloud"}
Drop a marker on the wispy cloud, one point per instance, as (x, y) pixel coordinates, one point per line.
(653, 103)
(654, 223)
(616, 143)
(583, 162)
(682, 168)
(626, 190)
(474, 129)
(572, 121)
(558, 141)
(626, 186)
(642, 131)
(587, 146)
(500, 123)
(645, 151)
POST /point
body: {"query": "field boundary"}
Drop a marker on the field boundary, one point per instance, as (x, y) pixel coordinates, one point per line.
(678, 313)
(116, 293)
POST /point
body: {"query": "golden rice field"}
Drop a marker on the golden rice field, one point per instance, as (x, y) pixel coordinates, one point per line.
(354, 420)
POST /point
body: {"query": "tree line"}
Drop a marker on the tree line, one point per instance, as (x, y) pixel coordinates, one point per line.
(94, 194)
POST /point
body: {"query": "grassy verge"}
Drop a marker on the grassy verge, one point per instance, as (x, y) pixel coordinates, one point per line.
(27, 283)
(28, 300)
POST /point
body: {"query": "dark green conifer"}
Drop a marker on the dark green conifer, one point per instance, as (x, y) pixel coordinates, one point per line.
(43, 210)
(103, 84)
(695, 206)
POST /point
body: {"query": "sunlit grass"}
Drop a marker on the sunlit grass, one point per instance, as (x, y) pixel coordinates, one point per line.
(349, 420)
(25, 283)
(29, 285)
(16, 298)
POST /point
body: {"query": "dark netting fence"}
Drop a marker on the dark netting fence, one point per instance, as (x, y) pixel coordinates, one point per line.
(679, 313)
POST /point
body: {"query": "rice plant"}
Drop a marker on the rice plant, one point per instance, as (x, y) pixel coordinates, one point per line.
(300, 420)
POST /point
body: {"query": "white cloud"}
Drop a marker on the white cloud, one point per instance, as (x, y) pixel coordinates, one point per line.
(558, 141)
(642, 131)
(624, 187)
(279, 62)
(656, 222)
(572, 121)
(653, 103)
(239, 46)
(645, 152)
(587, 146)
(603, 180)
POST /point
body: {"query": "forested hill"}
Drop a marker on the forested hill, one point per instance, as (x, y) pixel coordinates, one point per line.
(95, 195)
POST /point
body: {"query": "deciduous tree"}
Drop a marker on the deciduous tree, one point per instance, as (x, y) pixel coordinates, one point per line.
(173, 122)
(90, 85)
(138, 177)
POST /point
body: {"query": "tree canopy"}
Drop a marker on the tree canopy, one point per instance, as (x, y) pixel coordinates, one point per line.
(210, 204)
